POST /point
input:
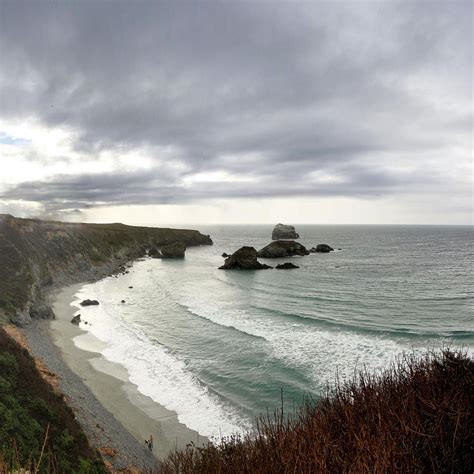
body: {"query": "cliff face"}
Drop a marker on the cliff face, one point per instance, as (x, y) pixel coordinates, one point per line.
(35, 254)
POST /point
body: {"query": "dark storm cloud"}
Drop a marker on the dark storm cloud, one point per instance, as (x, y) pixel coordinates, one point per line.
(141, 188)
(274, 91)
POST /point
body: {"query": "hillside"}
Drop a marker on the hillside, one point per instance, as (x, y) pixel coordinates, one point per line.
(415, 417)
(37, 428)
(36, 254)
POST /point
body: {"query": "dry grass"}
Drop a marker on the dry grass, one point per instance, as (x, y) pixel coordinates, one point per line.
(415, 417)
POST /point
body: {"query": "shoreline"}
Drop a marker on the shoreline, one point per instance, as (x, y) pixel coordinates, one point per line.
(110, 409)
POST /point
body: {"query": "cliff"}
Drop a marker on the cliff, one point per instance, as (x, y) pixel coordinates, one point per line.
(36, 255)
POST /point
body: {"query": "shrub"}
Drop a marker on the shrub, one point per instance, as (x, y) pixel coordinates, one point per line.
(37, 429)
(415, 417)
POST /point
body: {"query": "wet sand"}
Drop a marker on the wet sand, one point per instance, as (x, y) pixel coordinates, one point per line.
(108, 382)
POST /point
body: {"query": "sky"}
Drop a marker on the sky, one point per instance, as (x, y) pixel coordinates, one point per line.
(176, 112)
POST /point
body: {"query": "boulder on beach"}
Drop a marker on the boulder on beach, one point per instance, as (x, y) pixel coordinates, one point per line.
(244, 259)
(89, 303)
(286, 266)
(282, 248)
(282, 231)
(322, 248)
(76, 320)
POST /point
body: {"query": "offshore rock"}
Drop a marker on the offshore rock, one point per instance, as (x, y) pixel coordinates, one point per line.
(286, 266)
(323, 248)
(282, 231)
(244, 259)
(282, 248)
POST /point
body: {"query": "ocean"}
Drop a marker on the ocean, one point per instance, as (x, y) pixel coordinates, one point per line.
(222, 347)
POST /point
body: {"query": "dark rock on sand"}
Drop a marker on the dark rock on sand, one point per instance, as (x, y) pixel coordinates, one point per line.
(130, 287)
(286, 266)
(323, 248)
(282, 231)
(244, 259)
(123, 301)
(282, 248)
(89, 303)
(76, 320)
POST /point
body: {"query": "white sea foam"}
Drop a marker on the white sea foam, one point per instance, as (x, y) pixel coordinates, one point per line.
(321, 354)
(189, 303)
(157, 373)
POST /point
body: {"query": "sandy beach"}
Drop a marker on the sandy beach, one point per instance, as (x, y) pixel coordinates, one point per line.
(111, 410)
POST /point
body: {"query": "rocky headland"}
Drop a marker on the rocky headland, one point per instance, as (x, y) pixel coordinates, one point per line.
(38, 255)
(174, 250)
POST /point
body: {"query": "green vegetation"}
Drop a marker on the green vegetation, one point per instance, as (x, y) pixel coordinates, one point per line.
(37, 428)
(415, 417)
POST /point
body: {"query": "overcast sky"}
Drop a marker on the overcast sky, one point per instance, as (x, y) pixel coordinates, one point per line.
(204, 112)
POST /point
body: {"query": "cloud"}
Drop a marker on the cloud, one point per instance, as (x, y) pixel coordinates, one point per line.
(279, 94)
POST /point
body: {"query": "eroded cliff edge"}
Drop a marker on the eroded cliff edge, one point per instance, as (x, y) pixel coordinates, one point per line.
(36, 255)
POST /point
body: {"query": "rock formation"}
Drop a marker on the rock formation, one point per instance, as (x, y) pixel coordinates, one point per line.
(174, 250)
(286, 266)
(41, 311)
(282, 231)
(76, 320)
(89, 303)
(154, 252)
(244, 259)
(282, 248)
(323, 248)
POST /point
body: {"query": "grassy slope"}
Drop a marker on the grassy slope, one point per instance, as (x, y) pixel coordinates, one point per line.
(35, 253)
(29, 408)
(416, 417)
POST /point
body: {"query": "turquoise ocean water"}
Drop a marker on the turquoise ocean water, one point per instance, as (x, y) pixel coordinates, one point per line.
(218, 347)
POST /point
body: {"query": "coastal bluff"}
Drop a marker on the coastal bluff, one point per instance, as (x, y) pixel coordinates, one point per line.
(36, 255)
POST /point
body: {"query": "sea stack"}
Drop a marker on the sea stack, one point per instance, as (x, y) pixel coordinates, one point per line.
(283, 248)
(282, 231)
(244, 259)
